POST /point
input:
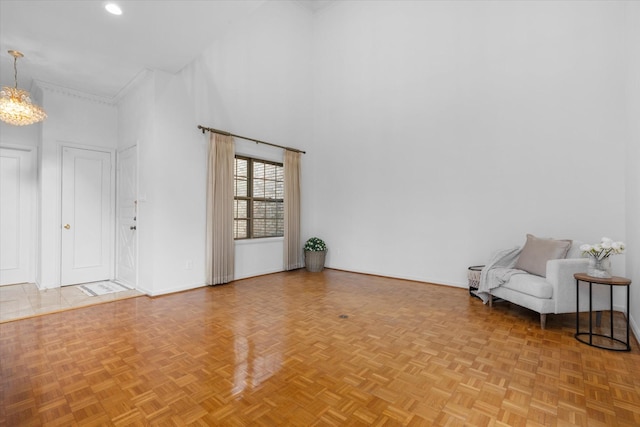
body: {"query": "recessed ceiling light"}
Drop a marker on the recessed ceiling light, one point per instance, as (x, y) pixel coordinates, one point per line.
(113, 8)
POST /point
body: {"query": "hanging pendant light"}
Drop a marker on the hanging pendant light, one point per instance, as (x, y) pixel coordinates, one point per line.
(15, 104)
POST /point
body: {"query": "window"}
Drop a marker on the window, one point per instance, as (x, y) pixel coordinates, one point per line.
(258, 199)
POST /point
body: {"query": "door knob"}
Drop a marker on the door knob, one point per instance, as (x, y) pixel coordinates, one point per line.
(133, 227)
(67, 226)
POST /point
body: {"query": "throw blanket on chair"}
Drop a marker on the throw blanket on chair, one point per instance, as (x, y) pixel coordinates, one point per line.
(498, 270)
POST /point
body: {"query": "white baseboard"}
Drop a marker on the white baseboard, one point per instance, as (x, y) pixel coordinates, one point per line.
(634, 328)
(258, 273)
(449, 283)
(633, 325)
(182, 288)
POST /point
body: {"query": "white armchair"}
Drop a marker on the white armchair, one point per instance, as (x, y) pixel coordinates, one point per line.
(555, 293)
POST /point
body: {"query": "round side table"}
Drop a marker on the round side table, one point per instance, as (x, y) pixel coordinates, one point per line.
(611, 282)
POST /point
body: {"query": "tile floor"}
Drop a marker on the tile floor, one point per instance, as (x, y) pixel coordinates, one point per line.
(26, 300)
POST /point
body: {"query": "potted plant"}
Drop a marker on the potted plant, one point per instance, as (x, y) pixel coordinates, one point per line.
(314, 253)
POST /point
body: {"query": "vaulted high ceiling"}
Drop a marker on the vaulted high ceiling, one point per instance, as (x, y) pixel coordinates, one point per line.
(78, 45)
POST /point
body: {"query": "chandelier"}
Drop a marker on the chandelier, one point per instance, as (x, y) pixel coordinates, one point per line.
(15, 104)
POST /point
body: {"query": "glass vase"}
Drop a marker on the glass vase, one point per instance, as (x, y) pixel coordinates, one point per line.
(599, 268)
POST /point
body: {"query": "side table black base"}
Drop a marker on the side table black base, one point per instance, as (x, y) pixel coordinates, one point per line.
(579, 336)
(587, 337)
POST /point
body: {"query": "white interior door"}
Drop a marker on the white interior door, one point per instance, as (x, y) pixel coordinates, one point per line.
(86, 216)
(17, 189)
(126, 240)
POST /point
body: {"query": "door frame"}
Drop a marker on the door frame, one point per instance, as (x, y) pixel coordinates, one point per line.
(34, 236)
(61, 145)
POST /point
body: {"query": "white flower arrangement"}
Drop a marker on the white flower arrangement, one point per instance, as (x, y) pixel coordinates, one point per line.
(602, 250)
(315, 244)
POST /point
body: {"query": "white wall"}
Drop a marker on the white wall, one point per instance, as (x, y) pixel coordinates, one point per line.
(633, 163)
(19, 135)
(256, 82)
(437, 132)
(447, 130)
(176, 190)
(74, 119)
(156, 116)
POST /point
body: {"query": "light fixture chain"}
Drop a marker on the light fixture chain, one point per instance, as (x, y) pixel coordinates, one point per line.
(15, 70)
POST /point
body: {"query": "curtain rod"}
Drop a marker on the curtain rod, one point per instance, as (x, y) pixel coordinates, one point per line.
(257, 141)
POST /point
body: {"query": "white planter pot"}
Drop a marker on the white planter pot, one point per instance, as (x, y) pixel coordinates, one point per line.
(314, 260)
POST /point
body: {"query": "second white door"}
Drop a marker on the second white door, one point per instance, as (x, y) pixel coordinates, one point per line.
(126, 220)
(86, 216)
(17, 190)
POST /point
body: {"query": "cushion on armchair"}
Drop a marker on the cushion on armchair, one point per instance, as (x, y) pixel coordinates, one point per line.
(530, 284)
(537, 251)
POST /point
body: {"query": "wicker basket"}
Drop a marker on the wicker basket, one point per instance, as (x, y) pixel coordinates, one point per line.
(473, 274)
(314, 260)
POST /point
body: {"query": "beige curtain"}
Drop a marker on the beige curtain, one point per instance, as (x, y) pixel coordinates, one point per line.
(292, 245)
(220, 244)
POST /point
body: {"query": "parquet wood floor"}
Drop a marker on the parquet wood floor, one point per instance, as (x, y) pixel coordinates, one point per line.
(274, 350)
